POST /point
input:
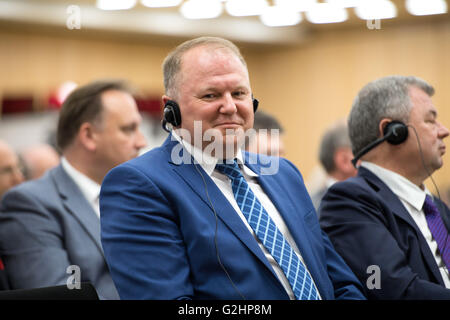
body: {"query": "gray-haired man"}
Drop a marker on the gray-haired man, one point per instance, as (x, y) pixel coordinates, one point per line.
(335, 155)
(384, 222)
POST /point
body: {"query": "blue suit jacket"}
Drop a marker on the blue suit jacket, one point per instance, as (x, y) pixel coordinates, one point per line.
(369, 225)
(47, 225)
(159, 233)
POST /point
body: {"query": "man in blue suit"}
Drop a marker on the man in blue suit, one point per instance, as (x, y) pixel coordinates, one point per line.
(384, 222)
(171, 225)
(50, 227)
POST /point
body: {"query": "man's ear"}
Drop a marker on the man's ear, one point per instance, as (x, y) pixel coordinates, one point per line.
(340, 158)
(87, 136)
(165, 99)
(383, 123)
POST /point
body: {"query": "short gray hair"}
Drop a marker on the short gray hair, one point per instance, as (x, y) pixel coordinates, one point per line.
(172, 63)
(334, 138)
(386, 97)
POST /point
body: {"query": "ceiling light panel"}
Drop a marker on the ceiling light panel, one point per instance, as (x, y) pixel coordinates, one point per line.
(429, 7)
(201, 9)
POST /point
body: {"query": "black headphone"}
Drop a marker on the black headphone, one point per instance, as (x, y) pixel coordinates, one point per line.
(172, 114)
(395, 132)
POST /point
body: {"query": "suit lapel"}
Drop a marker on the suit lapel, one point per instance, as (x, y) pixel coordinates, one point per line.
(294, 221)
(201, 183)
(76, 204)
(398, 209)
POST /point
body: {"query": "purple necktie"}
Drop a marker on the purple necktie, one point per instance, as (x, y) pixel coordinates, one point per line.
(438, 229)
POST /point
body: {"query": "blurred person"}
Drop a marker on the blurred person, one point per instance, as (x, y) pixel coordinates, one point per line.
(38, 159)
(50, 227)
(335, 155)
(10, 170)
(175, 230)
(10, 175)
(268, 139)
(384, 222)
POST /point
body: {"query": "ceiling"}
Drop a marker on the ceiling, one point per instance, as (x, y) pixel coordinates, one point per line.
(168, 23)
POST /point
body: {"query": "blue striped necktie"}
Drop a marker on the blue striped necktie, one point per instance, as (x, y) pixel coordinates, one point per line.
(266, 230)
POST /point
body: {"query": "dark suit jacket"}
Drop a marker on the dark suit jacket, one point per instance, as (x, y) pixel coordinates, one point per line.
(369, 225)
(159, 234)
(316, 198)
(47, 225)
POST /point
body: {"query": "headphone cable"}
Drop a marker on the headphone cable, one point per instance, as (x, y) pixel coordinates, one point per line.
(215, 232)
(432, 180)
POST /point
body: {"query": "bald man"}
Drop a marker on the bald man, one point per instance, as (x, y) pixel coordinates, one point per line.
(38, 159)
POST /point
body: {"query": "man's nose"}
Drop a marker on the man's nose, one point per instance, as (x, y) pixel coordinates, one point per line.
(228, 105)
(140, 140)
(443, 131)
(17, 176)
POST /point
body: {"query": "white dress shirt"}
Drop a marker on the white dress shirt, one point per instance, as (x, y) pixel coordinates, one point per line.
(208, 164)
(89, 188)
(413, 198)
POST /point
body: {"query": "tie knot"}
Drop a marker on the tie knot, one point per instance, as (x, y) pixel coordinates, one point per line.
(429, 207)
(230, 169)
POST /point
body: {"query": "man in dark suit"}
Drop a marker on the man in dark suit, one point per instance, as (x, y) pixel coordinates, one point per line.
(172, 226)
(384, 222)
(50, 227)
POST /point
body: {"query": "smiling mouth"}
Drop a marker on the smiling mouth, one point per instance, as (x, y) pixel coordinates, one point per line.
(228, 124)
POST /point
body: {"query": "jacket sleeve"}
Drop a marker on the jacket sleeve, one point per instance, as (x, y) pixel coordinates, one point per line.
(31, 243)
(141, 238)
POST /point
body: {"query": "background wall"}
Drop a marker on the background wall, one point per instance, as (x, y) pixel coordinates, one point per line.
(308, 87)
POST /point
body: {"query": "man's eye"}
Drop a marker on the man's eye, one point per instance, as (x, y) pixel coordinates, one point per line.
(239, 94)
(129, 129)
(208, 96)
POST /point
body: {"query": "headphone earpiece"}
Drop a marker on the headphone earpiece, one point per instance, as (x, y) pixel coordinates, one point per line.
(171, 114)
(395, 132)
(255, 104)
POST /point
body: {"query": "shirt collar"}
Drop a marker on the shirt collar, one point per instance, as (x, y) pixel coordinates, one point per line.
(330, 181)
(89, 188)
(208, 162)
(399, 185)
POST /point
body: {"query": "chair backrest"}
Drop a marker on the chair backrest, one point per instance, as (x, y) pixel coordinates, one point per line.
(86, 292)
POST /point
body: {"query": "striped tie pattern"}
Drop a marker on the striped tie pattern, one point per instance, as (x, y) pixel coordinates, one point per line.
(266, 230)
(438, 229)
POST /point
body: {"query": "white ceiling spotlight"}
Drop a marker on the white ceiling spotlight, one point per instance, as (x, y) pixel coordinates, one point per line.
(423, 8)
(344, 3)
(160, 3)
(295, 5)
(326, 13)
(280, 17)
(115, 5)
(201, 9)
(242, 8)
(376, 9)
